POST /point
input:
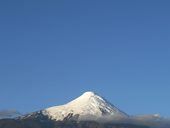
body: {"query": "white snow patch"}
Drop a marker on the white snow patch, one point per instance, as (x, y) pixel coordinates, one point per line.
(88, 104)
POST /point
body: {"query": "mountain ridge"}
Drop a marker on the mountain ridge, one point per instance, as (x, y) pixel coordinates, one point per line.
(86, 111)
(88, 104)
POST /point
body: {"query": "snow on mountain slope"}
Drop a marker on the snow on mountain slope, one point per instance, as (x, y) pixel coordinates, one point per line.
(88, 104)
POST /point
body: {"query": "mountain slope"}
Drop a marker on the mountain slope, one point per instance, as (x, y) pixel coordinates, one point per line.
(87, 111)
(88, 105)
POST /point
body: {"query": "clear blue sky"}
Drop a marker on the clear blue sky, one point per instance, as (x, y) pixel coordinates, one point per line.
(52, 51)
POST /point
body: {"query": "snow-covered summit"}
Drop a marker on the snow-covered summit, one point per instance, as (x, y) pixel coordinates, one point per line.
(88, 104)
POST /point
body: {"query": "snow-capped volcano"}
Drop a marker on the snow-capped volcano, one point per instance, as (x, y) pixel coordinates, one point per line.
(88, 104)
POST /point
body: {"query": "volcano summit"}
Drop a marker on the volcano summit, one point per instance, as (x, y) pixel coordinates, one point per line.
(88, 104)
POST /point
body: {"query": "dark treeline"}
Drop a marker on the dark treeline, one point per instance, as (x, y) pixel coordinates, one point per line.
(27, 123)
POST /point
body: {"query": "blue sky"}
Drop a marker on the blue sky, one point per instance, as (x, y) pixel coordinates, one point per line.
(53, 51)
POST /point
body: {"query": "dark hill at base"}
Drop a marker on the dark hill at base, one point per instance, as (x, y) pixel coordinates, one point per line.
(33, 123)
